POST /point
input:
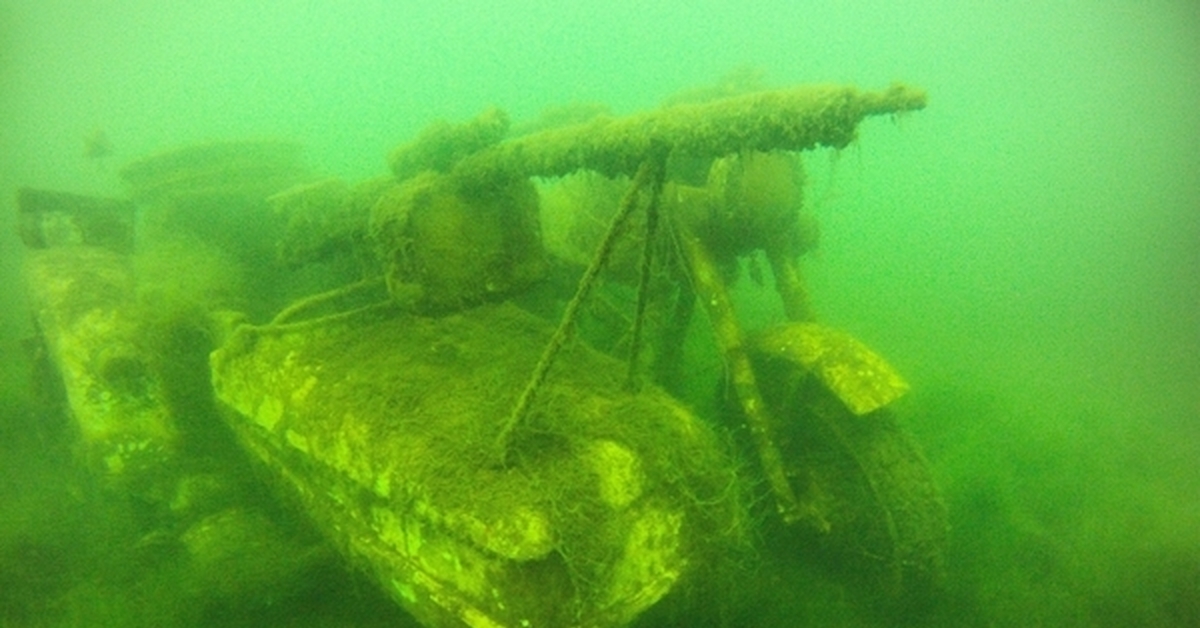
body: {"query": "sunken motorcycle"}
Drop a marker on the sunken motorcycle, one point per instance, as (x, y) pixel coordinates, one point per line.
(491, 406)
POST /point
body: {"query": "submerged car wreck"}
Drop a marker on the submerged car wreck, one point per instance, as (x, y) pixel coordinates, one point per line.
(422, 364)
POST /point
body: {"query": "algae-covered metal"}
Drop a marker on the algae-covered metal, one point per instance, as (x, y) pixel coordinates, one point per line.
(794, 119)
(381, 423)
(862, 379)
(95, 334)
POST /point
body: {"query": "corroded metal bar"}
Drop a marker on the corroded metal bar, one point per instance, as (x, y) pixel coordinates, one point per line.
(649, 174)
(713, 295)
(794, 119)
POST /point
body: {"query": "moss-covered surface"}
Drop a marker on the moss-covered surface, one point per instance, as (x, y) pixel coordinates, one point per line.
(385, 430)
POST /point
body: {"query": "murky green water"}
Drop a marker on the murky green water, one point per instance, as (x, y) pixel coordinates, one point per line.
(1026, 251)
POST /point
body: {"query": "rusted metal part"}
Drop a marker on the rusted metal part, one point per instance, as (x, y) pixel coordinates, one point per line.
(795, 119)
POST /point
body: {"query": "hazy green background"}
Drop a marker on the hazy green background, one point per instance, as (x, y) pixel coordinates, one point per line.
(1026, 250)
